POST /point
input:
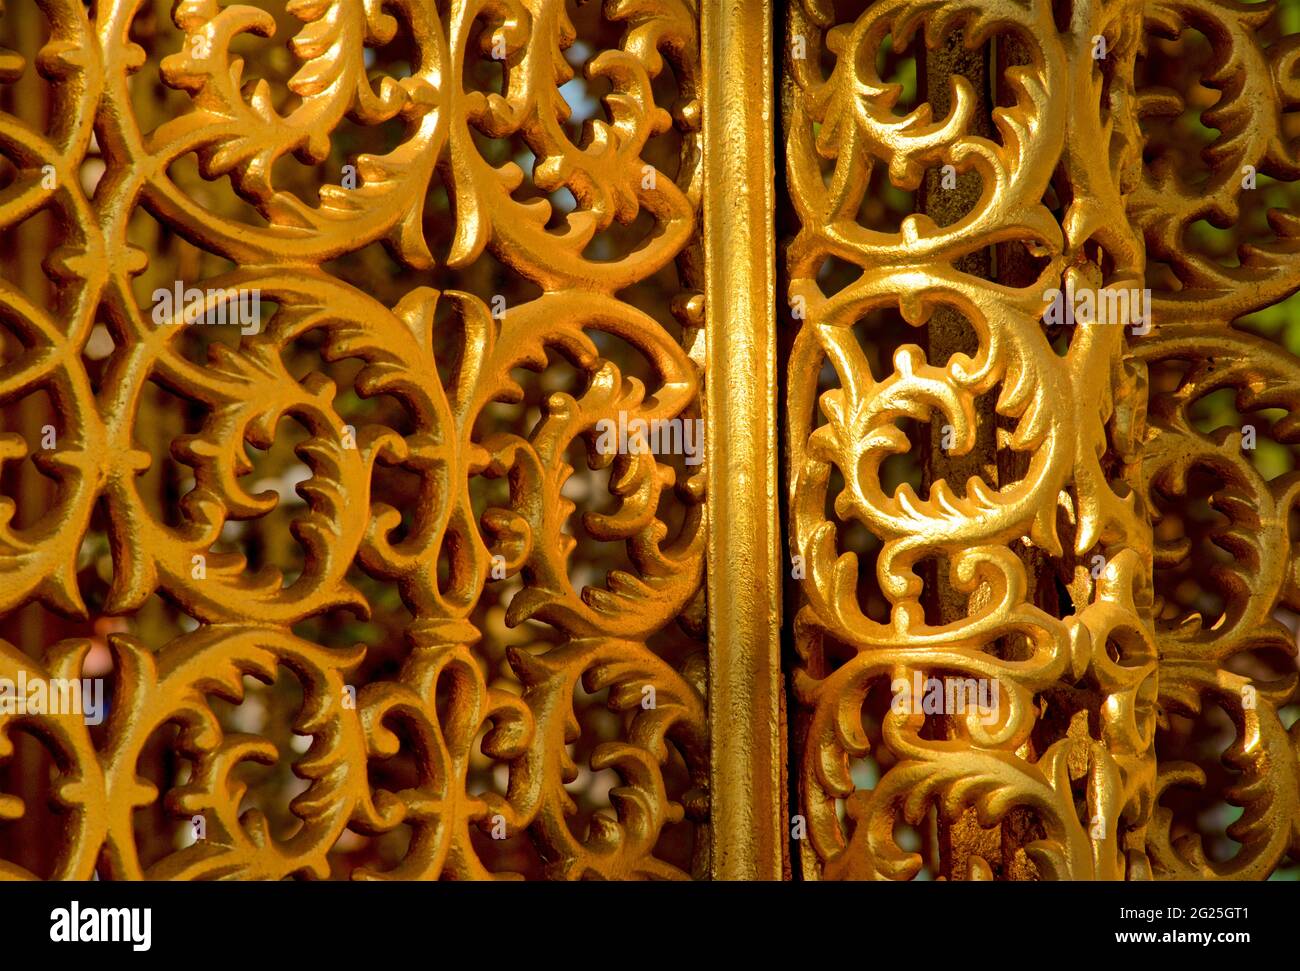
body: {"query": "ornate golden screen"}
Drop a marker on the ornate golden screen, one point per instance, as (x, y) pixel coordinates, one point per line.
(387, 385)
(433, 359)
(1113, 560)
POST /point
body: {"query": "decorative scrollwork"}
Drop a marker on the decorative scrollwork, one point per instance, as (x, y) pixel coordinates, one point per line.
(316, 317)
(430, 389)
(1225, 555)
(1126, 586)
(1067, 796)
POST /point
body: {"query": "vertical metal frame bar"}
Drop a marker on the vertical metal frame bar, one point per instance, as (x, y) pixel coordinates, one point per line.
(744, 553)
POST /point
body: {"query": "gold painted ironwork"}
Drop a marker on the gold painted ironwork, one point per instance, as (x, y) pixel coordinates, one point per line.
(372, 599)
(1223, 505)
(489, 730)
(1037, 572)
(746, 691)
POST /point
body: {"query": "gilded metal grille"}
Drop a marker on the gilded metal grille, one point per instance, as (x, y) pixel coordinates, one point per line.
(1018, 550)
(332, 332)
(1218, 467)
(390, 388)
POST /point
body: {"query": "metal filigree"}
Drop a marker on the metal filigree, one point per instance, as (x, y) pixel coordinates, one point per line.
(1127, 588)
(488, 728)
(372, 594)
(1222, 505)
(1061, 783)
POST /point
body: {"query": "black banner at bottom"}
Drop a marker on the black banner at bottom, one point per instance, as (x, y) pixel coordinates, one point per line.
(665, 922)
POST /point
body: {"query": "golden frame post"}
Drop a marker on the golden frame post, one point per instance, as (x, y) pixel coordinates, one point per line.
(744, 553)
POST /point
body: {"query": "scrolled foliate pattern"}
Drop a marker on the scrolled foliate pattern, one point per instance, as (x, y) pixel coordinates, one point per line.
(1221, 479)
(1058, 781)
(192, 123)
(374, 597)
(1147, 720)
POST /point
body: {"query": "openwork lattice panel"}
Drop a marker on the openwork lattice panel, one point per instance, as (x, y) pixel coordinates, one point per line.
(994, 263)
(1217, 95)
(324, 324)
(357, 360)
